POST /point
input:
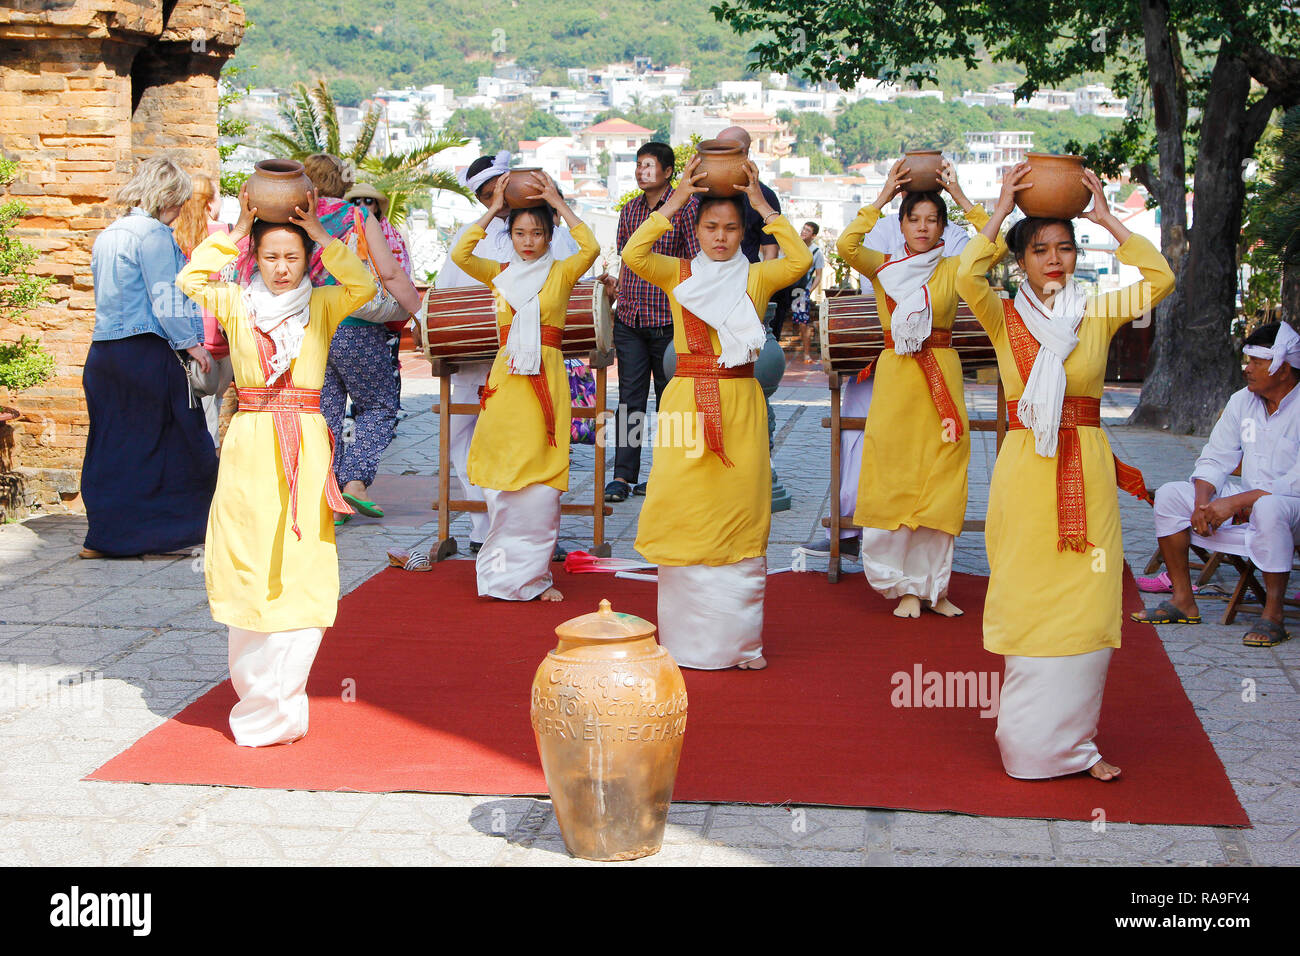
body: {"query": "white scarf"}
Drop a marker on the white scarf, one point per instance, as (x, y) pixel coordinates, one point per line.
(520, 285)
(500, 164)
(1039, 408)
(906, 281)
(718, 292)
(282, 317)
(1285, 348)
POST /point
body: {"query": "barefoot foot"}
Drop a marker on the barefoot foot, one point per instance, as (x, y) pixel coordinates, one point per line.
(946, 608)
(1104, 771)
(757, 664)
(551, 594)
(909, 606)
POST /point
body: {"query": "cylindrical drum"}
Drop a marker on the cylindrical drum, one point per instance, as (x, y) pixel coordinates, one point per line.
(609, 713)
(852, 337)
(461, 324)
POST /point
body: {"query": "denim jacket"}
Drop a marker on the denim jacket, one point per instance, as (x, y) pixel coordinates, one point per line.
(134, 264)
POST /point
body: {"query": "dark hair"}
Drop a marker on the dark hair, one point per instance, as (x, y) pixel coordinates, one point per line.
(261, 227)
(815, 228)
(663, 154)
(912, 200)
(544, 215)
(1265, 335)
(1022, 235)
(480, 164)
(732, 201)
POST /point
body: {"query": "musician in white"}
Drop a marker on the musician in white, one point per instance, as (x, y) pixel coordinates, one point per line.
(481, 176)
(1257, 514)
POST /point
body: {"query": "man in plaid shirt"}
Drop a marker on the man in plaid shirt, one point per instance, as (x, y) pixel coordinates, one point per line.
(643, 320)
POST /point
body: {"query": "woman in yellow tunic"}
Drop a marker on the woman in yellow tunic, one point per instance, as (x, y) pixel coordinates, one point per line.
(706, 516)
(1053, 533)
(519, 455)
(270, 563)
(916, 445)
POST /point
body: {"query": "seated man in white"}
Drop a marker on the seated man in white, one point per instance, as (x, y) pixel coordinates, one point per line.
(855, 399)
(1257, 516)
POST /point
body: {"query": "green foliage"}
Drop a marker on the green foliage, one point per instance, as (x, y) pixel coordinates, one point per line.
(24, 363)
(19, 291)
(404, 176)
(540, 123)
(231, 130)
(348, 92)
(412, 42)
(481, 123)
(1277, 222)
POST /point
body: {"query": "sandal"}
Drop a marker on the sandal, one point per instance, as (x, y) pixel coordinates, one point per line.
(1267, 633)
(341, 519)
(413, 560)
(617, 490)
(1166, 612)
(367, 508)
(1160, 584)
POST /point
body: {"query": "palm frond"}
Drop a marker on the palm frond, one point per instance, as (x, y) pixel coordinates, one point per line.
(366, 137)
(327, 116)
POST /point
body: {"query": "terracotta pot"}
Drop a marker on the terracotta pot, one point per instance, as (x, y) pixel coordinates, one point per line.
(722, 163)
(277, 187)
(924, 166)
(609, 714)
(522, 185)
(1058, 191)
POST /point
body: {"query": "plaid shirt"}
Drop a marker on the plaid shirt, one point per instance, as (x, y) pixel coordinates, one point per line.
(642, 304)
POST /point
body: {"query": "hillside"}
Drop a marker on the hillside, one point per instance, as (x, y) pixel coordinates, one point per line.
(397, 43)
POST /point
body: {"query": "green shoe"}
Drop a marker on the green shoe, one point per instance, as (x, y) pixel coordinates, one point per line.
(367, 508)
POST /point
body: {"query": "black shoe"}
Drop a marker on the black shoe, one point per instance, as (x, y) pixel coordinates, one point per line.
(475, 546)
(850, 547)
(559, 554)
(617, 490)
(639, 489)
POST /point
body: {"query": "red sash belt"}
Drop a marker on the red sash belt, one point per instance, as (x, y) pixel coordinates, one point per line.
(1078, 411)
(552, 337)
(700, 363)
(939, 394)
(285, 403)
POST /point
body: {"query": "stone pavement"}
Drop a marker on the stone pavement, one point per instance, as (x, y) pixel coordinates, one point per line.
(95, 654)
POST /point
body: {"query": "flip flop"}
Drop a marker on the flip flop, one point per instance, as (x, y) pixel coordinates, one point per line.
(1160, 584)
(367, 508)
(1270, 634)
(413, 560)
(341, 520)
(1165, 613)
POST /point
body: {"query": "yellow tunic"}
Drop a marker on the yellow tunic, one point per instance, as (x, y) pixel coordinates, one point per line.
(510, 449)
(1043, 602)
(697, 510)
(913, 471)
(259, 575)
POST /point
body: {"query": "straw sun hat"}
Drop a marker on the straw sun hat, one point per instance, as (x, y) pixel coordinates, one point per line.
(365, 190)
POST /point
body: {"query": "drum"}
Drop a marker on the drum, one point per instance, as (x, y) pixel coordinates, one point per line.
(852, 338)
(460, 325)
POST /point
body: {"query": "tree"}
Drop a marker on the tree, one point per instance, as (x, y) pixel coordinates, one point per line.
(231, 129)
(347, 92)
(420, 117)
(1277, 222)
(540, 123)
(481, 124)
(26, 362)
(1170, 57)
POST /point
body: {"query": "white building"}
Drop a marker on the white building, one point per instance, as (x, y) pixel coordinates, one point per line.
(999, 147)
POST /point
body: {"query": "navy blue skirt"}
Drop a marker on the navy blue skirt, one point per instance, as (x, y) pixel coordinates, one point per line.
(150, 467)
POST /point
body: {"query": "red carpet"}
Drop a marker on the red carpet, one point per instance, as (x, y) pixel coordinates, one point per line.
(441, 684)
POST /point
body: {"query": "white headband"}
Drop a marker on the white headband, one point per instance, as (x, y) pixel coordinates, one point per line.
(501, 164)
(1286, 348)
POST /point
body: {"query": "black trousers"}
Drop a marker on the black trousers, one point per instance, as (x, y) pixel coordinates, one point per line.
(640, 358)
(782, 299)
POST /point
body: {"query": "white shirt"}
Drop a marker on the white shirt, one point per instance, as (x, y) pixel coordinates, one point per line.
(1267, 446)
(496, 246)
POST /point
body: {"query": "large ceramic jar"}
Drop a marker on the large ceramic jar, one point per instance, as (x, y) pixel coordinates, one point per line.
(609, 714)
(722, 161)
(923, 170)
(522, 184)
(276, 187)
(1058, 191)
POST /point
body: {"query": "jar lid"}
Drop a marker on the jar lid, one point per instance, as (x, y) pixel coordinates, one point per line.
(605, 624)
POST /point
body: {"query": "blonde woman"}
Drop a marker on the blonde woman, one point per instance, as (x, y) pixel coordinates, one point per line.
(150, 468)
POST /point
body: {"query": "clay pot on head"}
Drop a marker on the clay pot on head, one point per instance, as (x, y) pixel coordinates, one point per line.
(1058, 191)
(923, 166)
(609, 714)
(522, 185)
(722, 161)
(277, 187)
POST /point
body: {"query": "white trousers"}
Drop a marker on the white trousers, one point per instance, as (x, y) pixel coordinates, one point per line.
(464, 390)
(711, 617)
(855, 402)
(514, 563)
(1268, 539)
(269, 672)
(904, 561)
(1047, 713)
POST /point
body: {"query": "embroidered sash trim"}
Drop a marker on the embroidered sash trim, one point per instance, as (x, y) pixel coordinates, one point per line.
(939, 394)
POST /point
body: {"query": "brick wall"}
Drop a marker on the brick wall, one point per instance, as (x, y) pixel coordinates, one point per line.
(85, 90)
